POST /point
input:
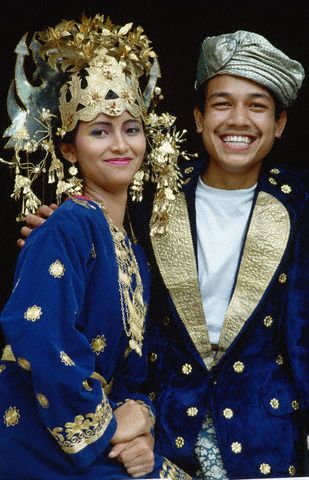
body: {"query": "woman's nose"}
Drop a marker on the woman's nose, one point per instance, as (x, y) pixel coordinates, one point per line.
(118, 143)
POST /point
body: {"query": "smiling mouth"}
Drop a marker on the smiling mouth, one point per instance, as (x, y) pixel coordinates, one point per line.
(119, 160)
(237, 140)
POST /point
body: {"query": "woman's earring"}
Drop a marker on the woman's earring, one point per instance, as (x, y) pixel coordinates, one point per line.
(76, 183)
(137, 186)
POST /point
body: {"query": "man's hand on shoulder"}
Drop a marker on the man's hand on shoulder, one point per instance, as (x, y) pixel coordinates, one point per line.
(33, 221)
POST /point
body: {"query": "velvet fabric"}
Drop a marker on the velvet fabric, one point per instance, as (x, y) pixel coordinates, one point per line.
(258, 391)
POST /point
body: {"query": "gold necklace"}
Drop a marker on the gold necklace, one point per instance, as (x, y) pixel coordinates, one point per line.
(133, 307)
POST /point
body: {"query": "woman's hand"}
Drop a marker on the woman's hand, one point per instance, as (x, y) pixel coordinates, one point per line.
(133, 420)
(136, 456)
(33, 221)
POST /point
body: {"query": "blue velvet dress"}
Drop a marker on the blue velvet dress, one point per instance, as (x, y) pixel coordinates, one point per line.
(67, 364)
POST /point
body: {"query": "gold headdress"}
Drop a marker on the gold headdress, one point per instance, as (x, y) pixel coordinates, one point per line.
(84, 69)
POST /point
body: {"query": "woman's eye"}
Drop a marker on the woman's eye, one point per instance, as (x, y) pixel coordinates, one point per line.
(133, 130)
(98, 132)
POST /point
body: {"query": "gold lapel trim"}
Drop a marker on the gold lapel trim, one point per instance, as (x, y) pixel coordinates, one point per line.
(175, 257)
(265, 244)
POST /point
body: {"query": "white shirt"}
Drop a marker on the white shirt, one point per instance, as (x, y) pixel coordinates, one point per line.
(221, 218)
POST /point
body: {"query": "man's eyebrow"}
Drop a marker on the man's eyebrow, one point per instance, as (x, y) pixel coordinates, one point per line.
(253, 95)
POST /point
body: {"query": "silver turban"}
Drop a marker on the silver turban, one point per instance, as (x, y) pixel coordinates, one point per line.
(249, 55)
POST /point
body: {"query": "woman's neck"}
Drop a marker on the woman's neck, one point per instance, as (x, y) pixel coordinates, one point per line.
(115, 203)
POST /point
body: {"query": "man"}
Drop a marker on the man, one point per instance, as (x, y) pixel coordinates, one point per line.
(229, 361)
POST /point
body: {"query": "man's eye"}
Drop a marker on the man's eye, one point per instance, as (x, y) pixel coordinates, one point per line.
(258, 106)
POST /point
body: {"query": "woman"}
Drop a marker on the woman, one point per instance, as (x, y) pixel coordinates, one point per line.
(75, 324)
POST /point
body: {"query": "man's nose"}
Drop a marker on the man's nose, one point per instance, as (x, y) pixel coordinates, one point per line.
(238, 116)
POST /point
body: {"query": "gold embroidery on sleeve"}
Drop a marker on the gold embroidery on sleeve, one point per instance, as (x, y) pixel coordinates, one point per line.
(33, 313)
(2, 368)
(43, 400)
(7, 354)
(57, 269)
(66, 359)
(77, 435)
(11, 417)
(23, 363)
(171, 471)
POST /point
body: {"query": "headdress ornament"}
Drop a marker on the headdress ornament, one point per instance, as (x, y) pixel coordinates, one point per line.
(83, 69)
(249, 55)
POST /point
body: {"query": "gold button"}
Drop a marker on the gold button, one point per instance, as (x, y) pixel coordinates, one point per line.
(282, 278)
(179, 442)
(189, 170)
(239, 367)
(268, 321)
(272, 181)
(228, 413)
(295, 405)
(192, 411)
(286, 189)
(153, 357)
(166, 321)
(236, 447)
(292, 470)
(275, 171)
(274, 403)
(265, 468)
(279, 360)
(186, 369)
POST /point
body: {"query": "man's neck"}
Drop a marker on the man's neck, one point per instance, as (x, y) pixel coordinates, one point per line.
(229, 180)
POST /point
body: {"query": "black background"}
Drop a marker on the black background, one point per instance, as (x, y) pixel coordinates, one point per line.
(176, 32)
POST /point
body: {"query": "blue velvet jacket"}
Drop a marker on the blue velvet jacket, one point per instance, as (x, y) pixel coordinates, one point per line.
(67, 363)
(257, 385)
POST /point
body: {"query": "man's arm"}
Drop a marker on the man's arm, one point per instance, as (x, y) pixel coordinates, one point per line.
(33, 221)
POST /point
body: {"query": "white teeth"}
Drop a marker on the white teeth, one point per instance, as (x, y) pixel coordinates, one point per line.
(233, 139)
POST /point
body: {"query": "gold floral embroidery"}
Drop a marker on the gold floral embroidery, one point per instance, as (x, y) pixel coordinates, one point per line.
(57, 269)
(87, 386)
(292, 470)
(43, 400)
(295, 405)
(268, 321)
(274, 403)
(282, 278)
(236, 447)
(192, 411)
(272, 181)
(175, 257)
(228, 413)
(279, 360)
(286, 189)
(275, 171)
(84, 430)
(2, 368)
(172, 472)
(105, 385)
(11, 417)
(7, 354)
(186, 369)
(93, 252)
(238, 367)
(265, 468)
(153, 357)
(265, 244)
(23, 363)
(98, 344)
(33, 313)
(66, 359)
(179, 442)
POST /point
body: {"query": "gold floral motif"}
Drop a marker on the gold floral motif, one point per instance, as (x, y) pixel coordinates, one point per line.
(87, 386)
(33, 313)
(265, 468)
(11, 417)
(236, 447)
(93, 253)
(192, 411)
(43, 400)
(274, 403)
(279, 360)
(174, 252)
(188, 170)
(98, 344)
(23, 363)
(282, 278)
(57, 269)
(166, 321)
(2, 368)
(186, 369)
(268, 321)
(272, 181)
(7, 354)
(238, 367)
(228, 413)
(153, 357)
(265, 244)
(84, 430)
(172, 472)
(295, 405)
(152, 396)
(275, 171)
(292, 470)
(179, 442)
(286, 189)
(66, 359)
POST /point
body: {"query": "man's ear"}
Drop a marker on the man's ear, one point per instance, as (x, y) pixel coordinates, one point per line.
(68, 152)
(280, 124)
(199, 117)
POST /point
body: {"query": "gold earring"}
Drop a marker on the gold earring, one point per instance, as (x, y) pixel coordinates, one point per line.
(137, 186)
(76, 183)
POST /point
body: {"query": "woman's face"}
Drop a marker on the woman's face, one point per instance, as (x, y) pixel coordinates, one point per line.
(109, 151)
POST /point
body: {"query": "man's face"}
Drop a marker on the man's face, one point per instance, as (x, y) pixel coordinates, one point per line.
(238, 126)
